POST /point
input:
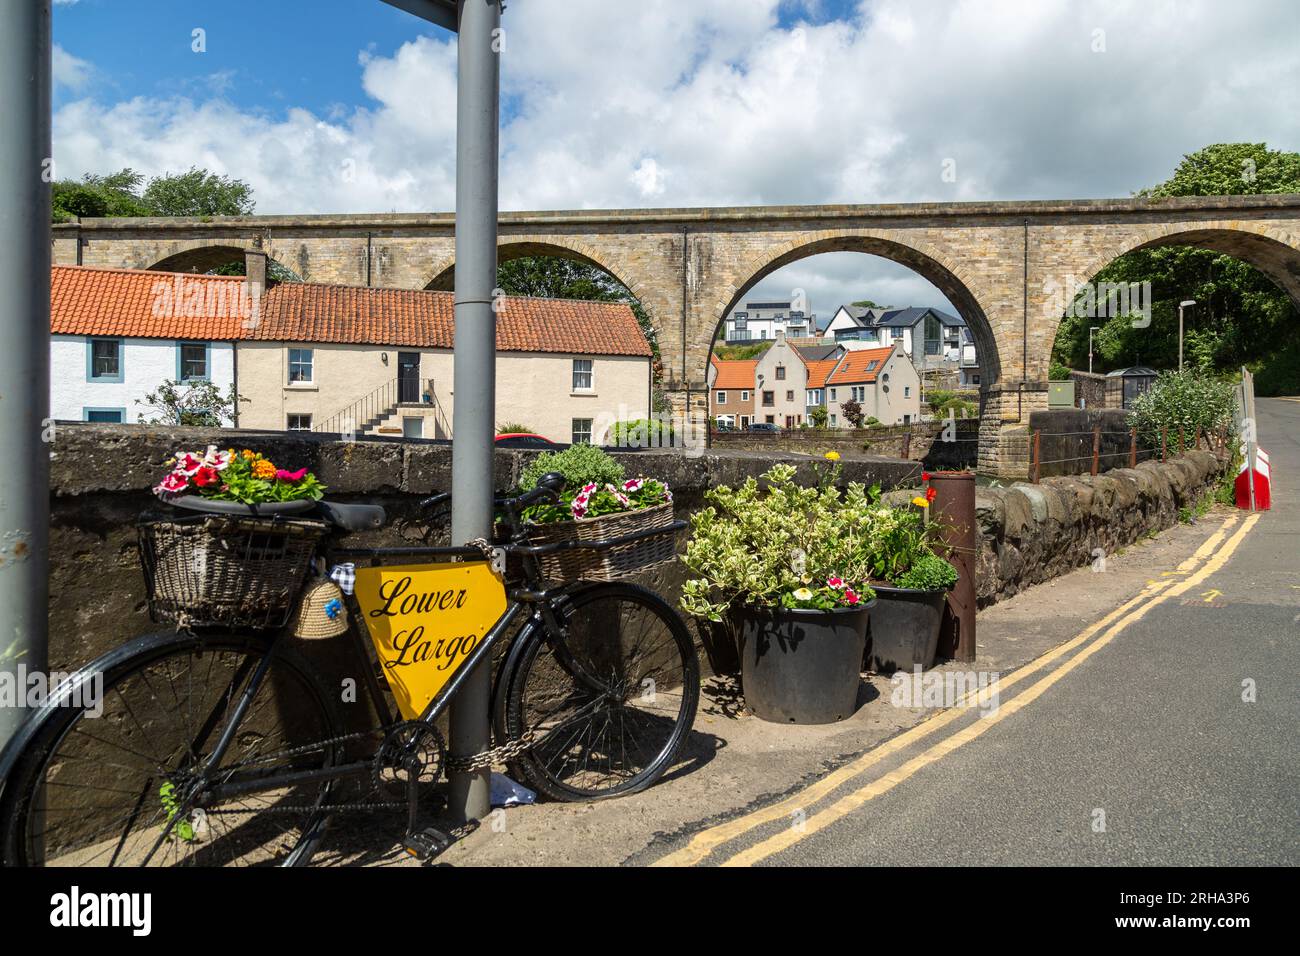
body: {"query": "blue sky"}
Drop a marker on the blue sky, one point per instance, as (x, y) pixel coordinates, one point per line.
(348, 105)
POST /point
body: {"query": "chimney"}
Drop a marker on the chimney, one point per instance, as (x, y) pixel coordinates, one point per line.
(255, 283)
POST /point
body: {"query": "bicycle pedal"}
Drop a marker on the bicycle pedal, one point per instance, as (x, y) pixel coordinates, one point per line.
(425, 844)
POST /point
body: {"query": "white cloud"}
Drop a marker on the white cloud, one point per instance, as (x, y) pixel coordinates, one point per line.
(687, 103)
(68, 70)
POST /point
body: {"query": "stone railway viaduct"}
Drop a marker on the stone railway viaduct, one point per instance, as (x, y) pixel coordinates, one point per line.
(1007, 267)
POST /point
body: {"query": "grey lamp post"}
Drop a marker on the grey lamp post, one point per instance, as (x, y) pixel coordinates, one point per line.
(1185, 304)
(477, 24)
(25, 174)
(1091, 330)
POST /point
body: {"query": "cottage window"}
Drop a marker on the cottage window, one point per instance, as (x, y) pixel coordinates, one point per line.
(582, 431)
(300, 365)
(582, 375)
(105, 360)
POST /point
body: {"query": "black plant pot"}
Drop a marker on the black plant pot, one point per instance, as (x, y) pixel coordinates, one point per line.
(904, 628)
(802, 667)
(218, 507)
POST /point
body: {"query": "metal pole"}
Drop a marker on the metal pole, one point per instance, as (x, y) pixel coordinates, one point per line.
(1180, 338)
(474, 364)
(954, 510)
(25, 330)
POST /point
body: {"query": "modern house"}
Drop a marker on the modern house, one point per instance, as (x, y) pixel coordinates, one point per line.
(761, 321)
(731, 391)
(305, 356)
(931, 338)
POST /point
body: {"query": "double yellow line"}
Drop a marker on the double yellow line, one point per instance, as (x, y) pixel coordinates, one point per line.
(702, 845)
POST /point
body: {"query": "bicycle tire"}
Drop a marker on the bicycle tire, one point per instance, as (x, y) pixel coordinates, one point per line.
(55, 725)
(537, 767)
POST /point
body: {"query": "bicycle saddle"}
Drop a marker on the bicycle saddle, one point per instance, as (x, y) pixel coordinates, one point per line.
(351, 517)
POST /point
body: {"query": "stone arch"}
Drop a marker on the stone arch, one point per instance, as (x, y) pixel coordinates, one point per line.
(962, 288)
(205, 256)
(1272, 250)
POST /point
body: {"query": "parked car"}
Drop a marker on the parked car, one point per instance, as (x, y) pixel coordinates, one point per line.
(764, 427)
(525, 440)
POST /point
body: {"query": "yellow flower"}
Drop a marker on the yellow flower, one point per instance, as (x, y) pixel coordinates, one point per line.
(803, 594)
(247, 454)
(920, 502)
(833, 455)
(263, 469)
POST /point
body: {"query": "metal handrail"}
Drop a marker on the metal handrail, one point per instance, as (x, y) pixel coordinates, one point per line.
(362, 410)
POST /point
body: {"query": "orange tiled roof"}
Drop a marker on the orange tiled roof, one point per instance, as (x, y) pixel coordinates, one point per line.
(86, 301)
(853, 367)
(818, 370)
(735, 373)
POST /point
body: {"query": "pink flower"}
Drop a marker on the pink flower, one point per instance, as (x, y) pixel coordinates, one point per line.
(633, 484)
(173, 484)
(291, 476)
(588, 488)
(835, 582)
(850, 596)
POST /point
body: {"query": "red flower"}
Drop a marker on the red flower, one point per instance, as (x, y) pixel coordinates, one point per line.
(206, 476)
(291, 476)
(929, 494)
(925, 476)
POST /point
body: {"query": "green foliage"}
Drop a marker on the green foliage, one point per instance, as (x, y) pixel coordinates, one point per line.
(275, 272)
(188, 403)
(757, 546)
(1059, 372)
(515, 428)
(1240, 316)
(741, 353)
(867, 304)
(641, 433)
(579, 464)
(928, 572)
(252, 479)
(938, 397)
(1188, 400)
(820, 416)
(198, 192)
(172, 806)
(871, 421)
(852, 413)
(193, 193)
(1279, 373)
(592, 500)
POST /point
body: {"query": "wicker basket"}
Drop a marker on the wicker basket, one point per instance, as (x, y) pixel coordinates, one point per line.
(230, 571)
(613, 563)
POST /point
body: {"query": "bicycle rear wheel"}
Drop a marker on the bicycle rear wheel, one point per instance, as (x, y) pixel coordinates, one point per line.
(122, 787)
(609, 700)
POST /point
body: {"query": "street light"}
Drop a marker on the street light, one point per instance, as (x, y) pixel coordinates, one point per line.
(1185, 304)
(477, 24)
(1091, 329)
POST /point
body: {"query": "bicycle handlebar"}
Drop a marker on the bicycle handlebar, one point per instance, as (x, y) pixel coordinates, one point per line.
(549, 487)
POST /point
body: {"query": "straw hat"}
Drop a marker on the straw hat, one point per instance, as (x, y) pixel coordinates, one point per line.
(321, 612)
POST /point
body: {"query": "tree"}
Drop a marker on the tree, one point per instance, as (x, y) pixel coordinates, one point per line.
(188, 403)
(820, 416)
(866, 304)
(193, 193)
(1241, 317)
(852, 413)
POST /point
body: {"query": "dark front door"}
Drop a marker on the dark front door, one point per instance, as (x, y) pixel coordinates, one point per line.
(408, 377)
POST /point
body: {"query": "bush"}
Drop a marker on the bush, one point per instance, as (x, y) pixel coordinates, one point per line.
(641, 433)
(1279, 374)
(1058, 372)
(852, 413)
(515, 428)
(579, 464)
(820, 416)
(928, 572)
(1188, 400)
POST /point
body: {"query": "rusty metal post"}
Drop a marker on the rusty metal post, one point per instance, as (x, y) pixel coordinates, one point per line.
(1036, 471)
(1096, 448)
(954, 511)
(1196, 442)
(1181, 446)
(1132, 447)
(1164, 442)
(907, 445)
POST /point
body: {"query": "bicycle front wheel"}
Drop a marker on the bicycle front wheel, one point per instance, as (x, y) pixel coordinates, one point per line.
(608, 700)
(119, 780)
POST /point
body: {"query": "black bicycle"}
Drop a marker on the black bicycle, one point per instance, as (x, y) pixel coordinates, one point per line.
(225, 746)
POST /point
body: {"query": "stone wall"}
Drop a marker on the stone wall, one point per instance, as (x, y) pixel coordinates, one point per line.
(101, 476)
(923, 442)
(1033, 533)
(1066, 437)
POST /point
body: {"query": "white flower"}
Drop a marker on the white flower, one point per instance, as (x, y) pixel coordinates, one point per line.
(803, 594)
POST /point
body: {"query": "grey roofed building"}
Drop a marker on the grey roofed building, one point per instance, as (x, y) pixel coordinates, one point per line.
(818, 353)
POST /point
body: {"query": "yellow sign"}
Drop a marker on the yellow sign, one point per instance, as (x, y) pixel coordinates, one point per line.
(425, 620)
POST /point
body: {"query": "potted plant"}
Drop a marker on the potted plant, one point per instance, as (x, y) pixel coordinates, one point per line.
(787, 565)
(243, 483)
(912, 584)
(597, 503)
